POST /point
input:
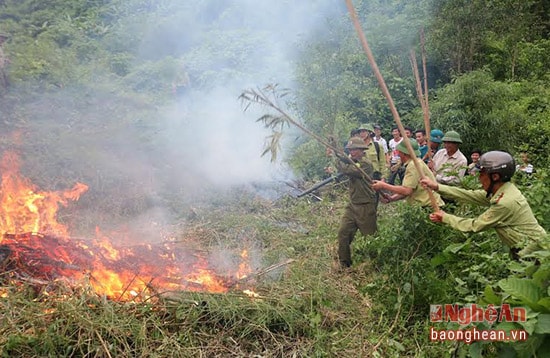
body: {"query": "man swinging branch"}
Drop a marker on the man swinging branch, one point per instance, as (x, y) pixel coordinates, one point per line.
(360, 213)
(410, 188)
(508, 211)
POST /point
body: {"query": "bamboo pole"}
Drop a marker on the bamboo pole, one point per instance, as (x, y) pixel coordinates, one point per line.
(426, 102)
(386, 93)
(421, 98)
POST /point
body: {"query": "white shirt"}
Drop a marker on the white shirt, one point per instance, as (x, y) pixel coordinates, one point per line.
(529, 169)
(382, 142)
(394, 153)
(449, 168)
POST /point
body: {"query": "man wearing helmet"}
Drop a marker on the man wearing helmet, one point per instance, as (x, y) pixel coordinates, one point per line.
(449, 164)
(508, 213)
(435, 143)
(360, 213)
(410, 188)
(373, 151)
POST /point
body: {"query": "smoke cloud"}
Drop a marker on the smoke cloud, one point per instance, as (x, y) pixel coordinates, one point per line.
(143, 160)
(217, 140)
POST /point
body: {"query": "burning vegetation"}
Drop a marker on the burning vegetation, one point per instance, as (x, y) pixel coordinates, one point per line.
(36, 249)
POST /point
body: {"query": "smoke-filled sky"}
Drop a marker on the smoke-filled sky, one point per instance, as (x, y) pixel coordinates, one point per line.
(240, 45)
(137, 158)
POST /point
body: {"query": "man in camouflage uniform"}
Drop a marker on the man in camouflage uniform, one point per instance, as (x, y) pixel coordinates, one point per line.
(360, 213)
(374, 152)
(410, 189)
(508, 211)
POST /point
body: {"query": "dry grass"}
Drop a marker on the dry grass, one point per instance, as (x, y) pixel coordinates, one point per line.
(306, 308)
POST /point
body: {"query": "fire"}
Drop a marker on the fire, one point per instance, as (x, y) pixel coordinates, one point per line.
(34, 245)
(244, 266)
(25, 209)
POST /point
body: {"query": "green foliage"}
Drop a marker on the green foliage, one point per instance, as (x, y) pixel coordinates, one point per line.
(536, 190)
(153, 77)
(121, 63)
(302, 161)
(470, 35)
(471, 182)
(417, 263)
(488, 114)
(84, 42)
(46, 63)
(535, 129)
(532, 58)
(407, 282)
(527, 288)
(177, 326)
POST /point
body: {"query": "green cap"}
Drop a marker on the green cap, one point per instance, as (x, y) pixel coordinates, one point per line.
(366, 127)
(403, 148)
(356, 143)
(452, 136)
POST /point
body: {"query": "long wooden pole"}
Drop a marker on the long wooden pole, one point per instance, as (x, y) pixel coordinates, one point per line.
(426, 102)
(386, 93)
(422, 99)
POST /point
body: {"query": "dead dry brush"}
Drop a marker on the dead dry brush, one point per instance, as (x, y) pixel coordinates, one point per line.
(304, 307)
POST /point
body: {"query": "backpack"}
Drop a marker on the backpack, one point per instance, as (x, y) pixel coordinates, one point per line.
(377, 147)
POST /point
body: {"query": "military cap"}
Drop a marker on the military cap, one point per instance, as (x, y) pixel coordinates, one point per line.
(452, 136)
(366, 127)
(403, 148)
(356, 143)
(436, 135)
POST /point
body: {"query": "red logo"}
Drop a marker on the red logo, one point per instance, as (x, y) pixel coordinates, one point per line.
(465, 315)
(436, 313)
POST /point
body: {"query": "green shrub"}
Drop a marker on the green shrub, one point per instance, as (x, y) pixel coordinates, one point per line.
(536, 190)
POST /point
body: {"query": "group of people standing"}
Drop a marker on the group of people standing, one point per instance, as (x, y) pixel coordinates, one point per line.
(374, 166)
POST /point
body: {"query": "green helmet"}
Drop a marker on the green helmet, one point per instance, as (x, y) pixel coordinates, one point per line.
(356, 143)
(403, 148)
(366, 127)
(452, 136)
(498, 162)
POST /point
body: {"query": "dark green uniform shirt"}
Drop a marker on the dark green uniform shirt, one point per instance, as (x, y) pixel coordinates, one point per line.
(360, 191)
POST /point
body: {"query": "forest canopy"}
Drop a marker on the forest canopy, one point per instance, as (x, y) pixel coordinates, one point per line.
(487, 62)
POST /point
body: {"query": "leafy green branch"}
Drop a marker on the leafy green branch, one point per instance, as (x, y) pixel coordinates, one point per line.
(269, 97)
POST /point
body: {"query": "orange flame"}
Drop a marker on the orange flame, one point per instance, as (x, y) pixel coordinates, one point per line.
(41, 247)
(244, 266)
(23, 208)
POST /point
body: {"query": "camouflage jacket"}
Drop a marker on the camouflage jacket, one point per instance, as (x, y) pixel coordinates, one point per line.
(360, 191)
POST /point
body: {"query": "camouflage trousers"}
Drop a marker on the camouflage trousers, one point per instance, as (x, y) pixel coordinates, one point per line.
(360, 217)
